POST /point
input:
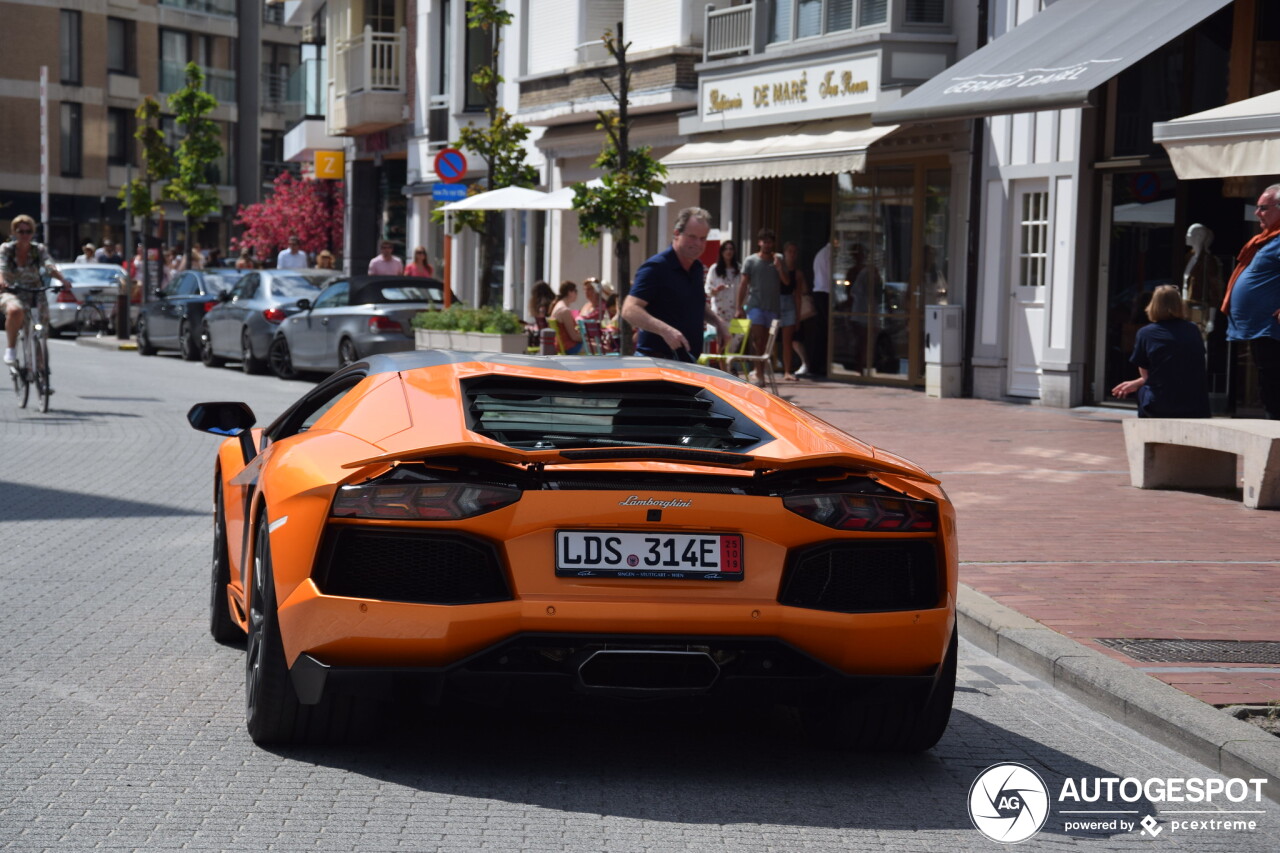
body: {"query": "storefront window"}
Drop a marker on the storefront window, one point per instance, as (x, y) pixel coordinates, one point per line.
(937, 224)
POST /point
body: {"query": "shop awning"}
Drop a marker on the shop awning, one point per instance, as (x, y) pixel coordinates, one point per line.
(1054, 59)
(1239, 139)
(779, 151)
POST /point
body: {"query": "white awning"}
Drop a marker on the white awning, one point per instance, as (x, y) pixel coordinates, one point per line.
(1239, 139)
(810, 148)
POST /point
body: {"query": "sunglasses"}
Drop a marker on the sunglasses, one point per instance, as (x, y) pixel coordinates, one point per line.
(23, 231)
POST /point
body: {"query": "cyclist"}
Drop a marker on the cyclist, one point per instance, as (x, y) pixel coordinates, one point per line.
(22, 260)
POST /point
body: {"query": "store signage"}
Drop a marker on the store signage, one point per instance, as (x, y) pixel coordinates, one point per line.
(821, 85)
(330, 165)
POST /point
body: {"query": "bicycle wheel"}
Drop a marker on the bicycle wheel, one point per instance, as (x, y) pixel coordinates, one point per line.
(91, 320)
(21, 371)
(40, 371)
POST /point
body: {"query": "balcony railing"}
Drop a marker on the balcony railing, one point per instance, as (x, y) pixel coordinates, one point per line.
(370, 62)
(309, 80)
(226, 8)
(729, 32)
(217, 82)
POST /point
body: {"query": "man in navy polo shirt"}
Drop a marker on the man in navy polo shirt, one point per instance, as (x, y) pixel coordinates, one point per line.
(667, 303)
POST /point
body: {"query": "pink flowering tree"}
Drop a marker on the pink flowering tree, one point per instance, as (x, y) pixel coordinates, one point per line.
(311, 209)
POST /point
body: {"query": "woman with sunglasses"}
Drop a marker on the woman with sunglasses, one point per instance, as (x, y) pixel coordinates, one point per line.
(22, 260)
(420, 266)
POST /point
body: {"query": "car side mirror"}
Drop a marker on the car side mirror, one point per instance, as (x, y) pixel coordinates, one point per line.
(224, 296)
(230, 420)
(158, 293)
(304, 304)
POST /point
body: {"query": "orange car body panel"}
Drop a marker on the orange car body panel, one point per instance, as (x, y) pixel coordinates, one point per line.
(413, 414)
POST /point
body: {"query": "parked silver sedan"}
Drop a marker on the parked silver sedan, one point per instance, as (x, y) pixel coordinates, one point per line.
(102, 281)
(350, 319)
(240, 327)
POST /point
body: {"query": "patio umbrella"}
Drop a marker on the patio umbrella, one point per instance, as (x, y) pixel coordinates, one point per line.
(562, 199)
(505, 198)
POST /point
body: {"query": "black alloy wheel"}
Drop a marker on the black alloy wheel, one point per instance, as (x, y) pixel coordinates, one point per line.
(347, 353)
(221, 625)
(145, 347)
(280, 359)
(206, 348)
(273, 713)
(188, 346)
(248, 362)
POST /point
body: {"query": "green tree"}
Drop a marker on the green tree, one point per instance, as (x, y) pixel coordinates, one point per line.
(500, 143)
(619, 205)
(193, 184)
(158, 165)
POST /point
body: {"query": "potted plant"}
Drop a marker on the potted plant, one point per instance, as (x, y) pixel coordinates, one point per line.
(460, 327)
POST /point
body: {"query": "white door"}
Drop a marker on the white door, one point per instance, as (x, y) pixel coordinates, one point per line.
(1028, 280)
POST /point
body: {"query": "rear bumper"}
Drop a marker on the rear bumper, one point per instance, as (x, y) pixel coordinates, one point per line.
(536, 667)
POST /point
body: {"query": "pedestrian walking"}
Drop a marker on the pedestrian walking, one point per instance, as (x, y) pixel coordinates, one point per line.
(760, 294)
(1170, 357)
(292, 257)
(667, 302)
(722, 281)
(420, 266)
(386, 263)
(814, 326)
(789, 295)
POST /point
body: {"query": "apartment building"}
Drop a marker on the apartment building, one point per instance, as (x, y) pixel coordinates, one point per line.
(102, 58)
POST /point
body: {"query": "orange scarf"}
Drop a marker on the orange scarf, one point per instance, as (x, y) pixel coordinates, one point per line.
(1244, 259)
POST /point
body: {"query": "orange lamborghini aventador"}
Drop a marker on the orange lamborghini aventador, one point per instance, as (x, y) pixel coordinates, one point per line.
(453, 526)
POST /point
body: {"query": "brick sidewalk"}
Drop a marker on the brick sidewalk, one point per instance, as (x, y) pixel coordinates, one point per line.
(1050, 527)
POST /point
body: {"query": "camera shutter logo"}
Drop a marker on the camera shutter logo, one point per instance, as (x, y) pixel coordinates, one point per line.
(1008, 803)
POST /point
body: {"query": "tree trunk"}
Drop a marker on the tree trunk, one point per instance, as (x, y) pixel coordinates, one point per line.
(622, 255)
(490, 237)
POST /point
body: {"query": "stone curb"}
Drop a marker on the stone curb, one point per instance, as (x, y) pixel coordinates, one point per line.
(1163, 713)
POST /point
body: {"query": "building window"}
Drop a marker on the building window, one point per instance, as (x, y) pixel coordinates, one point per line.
(479, 52)
(1033, 251)
(380, 15)
(119, 137)
(72, 140)
(120, 46)
(872, 13)
(69, 48)
(926, 12)
(798, 19)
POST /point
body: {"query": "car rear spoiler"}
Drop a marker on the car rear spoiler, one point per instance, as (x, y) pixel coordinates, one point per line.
(650, 453)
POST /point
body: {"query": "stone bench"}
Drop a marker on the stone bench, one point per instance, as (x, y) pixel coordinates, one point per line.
(1200, 453)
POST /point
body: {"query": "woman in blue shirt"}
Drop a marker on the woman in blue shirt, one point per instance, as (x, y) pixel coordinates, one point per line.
(1169, 353)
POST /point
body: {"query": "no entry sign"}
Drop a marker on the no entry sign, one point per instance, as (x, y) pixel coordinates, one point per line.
(451, 165)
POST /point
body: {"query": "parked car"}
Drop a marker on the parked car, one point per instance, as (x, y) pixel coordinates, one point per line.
(351, 318)
(105, 279)
(240, 327)
(172, 320)
(457, 525)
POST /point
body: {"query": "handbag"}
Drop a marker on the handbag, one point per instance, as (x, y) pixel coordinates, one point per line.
(807, 308)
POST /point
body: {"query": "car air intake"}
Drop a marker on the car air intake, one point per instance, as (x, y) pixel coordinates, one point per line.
(422, 567)
(863, 577)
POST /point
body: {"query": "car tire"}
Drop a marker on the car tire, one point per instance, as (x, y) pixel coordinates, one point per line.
(206, 349)
(145, 346)
(188, 346)
(273, 713)
(248, 362)
(221, 625)
(347, 353)
(890, 726)
(280, 359)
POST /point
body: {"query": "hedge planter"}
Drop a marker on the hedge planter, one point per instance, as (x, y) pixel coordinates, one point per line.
(469, 341)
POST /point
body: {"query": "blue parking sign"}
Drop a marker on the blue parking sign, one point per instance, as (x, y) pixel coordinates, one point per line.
(448, 192)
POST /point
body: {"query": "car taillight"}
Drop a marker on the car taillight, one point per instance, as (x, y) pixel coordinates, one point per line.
(383, 324)
(67, 296)
(866, 512)
(421, 501)
(208, 306)
(274, 315)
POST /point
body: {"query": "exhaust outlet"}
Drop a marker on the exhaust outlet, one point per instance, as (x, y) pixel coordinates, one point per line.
(645, 672)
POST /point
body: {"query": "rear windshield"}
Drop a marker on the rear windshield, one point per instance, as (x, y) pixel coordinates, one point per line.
(92, 277)
(409, 294)
(295, 286)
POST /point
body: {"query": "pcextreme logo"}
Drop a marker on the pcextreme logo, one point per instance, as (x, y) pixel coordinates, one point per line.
(1009, 803)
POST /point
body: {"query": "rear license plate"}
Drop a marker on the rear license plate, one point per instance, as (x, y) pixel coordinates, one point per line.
(672, 556)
